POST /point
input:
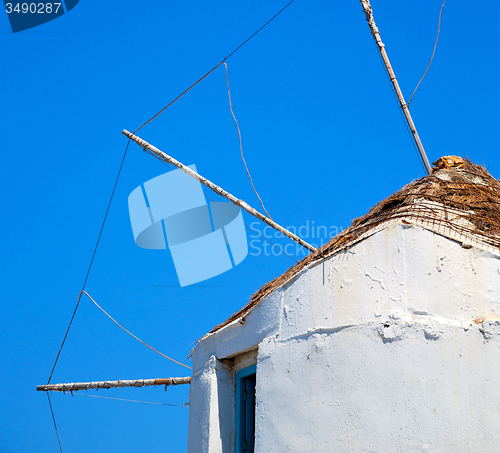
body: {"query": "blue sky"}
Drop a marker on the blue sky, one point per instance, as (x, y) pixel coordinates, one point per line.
(321, 133)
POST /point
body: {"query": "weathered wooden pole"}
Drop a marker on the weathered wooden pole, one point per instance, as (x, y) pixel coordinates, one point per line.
(73, 386)
(381, 47)
(218, 190)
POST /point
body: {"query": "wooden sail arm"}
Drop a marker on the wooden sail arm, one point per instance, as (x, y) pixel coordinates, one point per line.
(404, 106)
(73, 386)
(218, 190)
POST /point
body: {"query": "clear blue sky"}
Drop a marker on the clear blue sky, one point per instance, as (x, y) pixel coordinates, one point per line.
(322, 136)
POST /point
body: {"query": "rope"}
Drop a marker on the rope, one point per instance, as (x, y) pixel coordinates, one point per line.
(54, 420)
(239, 138)
(130, 333)
(109, 205)
(214, 68)
(91, 262)
(433, 51)
(251, 36)
(83, 287)
(132, 401)
(178, 97)
(65, 336)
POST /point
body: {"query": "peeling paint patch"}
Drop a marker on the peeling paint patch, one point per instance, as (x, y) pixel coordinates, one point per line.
(491, 316)
(390, 331)
(375, 280)
(432, 333)
(418, 312)
(490, 329)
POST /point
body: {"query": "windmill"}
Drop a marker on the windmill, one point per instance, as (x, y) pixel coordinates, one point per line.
(151, 148)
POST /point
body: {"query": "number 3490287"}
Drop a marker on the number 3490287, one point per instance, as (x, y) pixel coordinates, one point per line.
(33, 8)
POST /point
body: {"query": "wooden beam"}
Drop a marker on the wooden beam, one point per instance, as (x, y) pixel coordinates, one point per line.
(73, 386)
(381, 47)
(218, 190)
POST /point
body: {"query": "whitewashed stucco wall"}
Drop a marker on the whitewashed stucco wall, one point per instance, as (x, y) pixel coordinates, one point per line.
(390, 346)
(211, 415)
(351, 391)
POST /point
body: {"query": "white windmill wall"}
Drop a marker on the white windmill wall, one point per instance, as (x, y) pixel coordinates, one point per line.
(390, 346)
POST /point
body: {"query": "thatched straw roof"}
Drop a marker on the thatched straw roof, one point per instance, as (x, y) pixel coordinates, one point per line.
(460, 200)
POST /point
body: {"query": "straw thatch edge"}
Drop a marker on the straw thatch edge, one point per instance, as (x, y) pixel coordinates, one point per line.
(464, 188)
